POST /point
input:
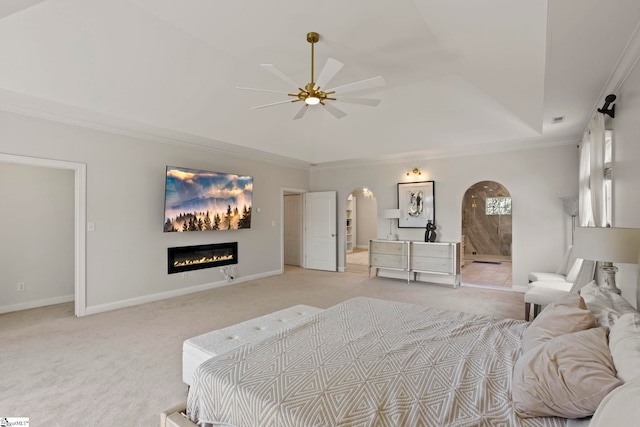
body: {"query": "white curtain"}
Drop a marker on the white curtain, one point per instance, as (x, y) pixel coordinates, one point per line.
(591, 185)
(596, 175)
(584, 194)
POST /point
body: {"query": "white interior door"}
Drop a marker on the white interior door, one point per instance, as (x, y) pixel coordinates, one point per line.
(321, 250)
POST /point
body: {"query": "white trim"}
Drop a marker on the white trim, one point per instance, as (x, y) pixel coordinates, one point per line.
(451, 152)
(35, 304)
(80, 214)
(95, 309)
(27, 105)
(625, 64)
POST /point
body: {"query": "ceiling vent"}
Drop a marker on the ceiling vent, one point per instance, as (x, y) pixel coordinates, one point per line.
(556, 120)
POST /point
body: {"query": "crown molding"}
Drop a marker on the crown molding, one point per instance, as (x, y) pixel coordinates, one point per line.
(462, 151)
(15, 103)
(622, 69)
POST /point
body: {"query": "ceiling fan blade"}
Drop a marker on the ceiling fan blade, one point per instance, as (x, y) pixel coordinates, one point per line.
(301, 111)
(272, 69)
(335, 111)
(261, 90)
(331, 68)
(273, 103)
(362, 84)
(361, 101)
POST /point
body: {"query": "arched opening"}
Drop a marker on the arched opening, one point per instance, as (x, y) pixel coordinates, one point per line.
(361, 225)
(487, 235)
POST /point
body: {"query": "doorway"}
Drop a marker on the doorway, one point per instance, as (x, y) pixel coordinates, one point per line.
(80, 224)
(361, 210)
(309, 229)
(487, 235)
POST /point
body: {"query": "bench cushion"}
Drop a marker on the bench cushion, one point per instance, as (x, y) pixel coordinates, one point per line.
(201, 348)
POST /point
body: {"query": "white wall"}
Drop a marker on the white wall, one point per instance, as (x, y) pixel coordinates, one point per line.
(536, 180)
(37, 216)
(626, 173)
(126, 254)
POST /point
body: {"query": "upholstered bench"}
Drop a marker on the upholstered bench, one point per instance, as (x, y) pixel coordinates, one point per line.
(199, 349)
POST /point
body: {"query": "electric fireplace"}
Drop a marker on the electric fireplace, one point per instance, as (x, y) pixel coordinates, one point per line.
(188, 258)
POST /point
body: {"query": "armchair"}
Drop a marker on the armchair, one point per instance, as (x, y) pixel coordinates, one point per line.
(565, 269)
(542, 293)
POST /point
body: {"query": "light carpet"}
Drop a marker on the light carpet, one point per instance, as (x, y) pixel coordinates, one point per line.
(124, 367)
(360, 258)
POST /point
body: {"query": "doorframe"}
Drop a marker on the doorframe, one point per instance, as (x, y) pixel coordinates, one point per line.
(284, 190)
(80, 219)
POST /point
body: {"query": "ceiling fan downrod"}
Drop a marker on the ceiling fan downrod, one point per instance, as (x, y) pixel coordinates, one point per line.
(310, 94)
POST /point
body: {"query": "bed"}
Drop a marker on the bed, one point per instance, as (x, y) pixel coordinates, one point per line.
(371, 362)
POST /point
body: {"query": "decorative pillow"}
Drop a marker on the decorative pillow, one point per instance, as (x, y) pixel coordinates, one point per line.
(559, 318)
(624, 344)
(606, 306)
(621, 407)
(566, 377)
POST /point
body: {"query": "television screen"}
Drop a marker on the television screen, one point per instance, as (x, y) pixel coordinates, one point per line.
(197, 200)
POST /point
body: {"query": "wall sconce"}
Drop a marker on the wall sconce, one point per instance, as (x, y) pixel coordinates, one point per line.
(415, 171)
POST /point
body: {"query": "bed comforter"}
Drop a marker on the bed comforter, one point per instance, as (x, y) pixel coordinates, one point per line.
(368, 362)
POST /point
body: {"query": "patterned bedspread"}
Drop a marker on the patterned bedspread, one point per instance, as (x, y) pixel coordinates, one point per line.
(368, 362)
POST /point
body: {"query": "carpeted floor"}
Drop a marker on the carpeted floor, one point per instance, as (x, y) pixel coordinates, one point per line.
(359, 257)
(124, 367)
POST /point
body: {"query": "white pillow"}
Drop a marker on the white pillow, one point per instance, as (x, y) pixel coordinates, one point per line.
(624, 343)
(621, 407)
(606, 306)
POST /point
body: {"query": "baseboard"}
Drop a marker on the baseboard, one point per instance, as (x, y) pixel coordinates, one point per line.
(35, 304)
(95, 309)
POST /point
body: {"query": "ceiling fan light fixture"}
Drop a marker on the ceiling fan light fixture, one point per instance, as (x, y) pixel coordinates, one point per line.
(313, 93)
(312, 100)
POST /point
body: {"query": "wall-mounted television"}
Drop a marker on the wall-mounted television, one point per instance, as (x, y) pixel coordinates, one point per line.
(197, 200)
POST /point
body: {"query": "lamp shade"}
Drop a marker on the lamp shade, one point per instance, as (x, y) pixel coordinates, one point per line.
(608, 244)
(391, 213)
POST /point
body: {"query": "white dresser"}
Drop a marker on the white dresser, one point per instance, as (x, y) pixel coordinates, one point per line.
(415, 257)
(389, 254)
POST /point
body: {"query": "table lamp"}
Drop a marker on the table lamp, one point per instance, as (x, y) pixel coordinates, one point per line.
(391, 214)
(608, 245)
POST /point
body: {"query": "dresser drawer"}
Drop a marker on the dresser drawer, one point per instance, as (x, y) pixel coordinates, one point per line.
(388, 261)
(438, 265)
(432, 250)
(392, 248)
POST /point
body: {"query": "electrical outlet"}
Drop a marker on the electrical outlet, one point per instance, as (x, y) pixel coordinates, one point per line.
(22, 286)
(185, 274)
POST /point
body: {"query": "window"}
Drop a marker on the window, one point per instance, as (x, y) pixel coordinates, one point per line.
(498, 206)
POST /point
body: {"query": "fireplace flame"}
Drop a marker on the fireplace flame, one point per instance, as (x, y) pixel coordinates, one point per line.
(202, 260)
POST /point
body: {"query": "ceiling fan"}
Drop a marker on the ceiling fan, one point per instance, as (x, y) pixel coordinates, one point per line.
(313, 93)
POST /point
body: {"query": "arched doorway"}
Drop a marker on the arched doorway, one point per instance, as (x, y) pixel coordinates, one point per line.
(361, 210)
(487, 235)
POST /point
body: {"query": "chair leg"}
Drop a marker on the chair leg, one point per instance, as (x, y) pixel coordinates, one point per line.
(536, 310)
(527, 310)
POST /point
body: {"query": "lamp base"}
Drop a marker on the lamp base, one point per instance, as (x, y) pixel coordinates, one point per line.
(391, 237)
(609, 277)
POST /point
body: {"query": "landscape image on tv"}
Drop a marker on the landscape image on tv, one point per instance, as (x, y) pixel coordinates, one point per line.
(197, 200)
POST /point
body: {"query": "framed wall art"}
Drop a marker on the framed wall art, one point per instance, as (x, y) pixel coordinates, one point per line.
(198, 200)
(416, 201)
